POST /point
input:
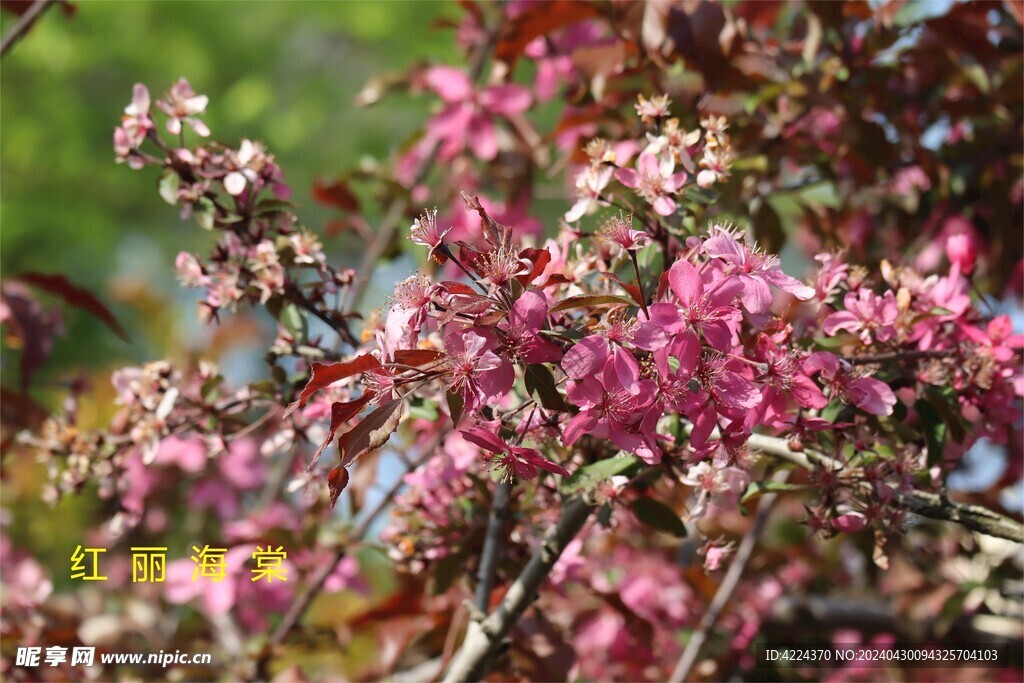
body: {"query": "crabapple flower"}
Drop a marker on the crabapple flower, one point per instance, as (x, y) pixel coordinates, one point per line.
(516, 461)
(867, 393)
(475, 370)
(867, 315)
(655, 181)
(618, 230)
(135, 125)
(614, 402)
(716, 553)
(716, 484)
(962, 252)
(590, 184)
(525, 320)
(468, 114)
(705, 309)
(652, 110)
(755, 269)
(424, 231)
(850, 523)
(182, 105)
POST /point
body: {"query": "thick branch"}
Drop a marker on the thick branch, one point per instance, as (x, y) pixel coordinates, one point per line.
(492, 545)
(923, 503)
(483, 638)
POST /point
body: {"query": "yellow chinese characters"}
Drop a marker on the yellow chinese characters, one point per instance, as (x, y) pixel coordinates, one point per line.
(269, 564)
(210, 563)
(149, 565)
(78, 564)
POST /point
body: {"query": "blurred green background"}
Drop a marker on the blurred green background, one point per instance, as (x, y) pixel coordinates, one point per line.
(285, 73)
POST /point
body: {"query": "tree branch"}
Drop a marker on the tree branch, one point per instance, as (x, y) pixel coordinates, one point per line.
(727, 587)
(483, 638)
(492, 545)
(20, 27)
(923, 503)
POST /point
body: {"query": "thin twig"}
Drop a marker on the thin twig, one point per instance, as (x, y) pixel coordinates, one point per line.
(316, 582)
(396, 210)
(908, 354)
(23, 24)
(923, 503)
(727, 587)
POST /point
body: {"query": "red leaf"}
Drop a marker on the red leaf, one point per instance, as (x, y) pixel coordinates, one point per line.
(28, 326)
(416, 357)
(335, 194)
(337, 480)
(74, 296)
(539, 19)
(453, 287)
(326, 374)
(373, 432)
(341, 412)
(540, 258)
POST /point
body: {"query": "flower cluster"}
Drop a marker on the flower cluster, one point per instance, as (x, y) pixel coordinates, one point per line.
(262, 255)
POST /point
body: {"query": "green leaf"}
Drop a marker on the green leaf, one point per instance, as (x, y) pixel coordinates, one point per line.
(833, 342)
(295, 322)
(588, 300)
(832, 410)
(541, 383)
(209, 385)
(456, 404)
(421, 409)
(590, 475)
(759, 488)
(168, 187)
(658, 516)
(204, 212)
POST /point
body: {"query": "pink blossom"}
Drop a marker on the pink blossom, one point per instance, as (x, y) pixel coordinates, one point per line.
(190, 271)
(408, 313)
(424, 231)
(962, 252)
(867, 393)
(516, 461)
(135, 126)
(849, 523)
(705, 309)
(618, 230)
(468, 114)
(655, 181)
(523, 338)
(867, 315)
(475, 370)
(614, 403)
(590, 185)
(718, 484)
(183, 104)
(716, 553)
(187, 454)
(755, 269)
